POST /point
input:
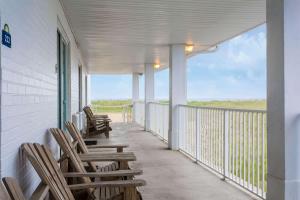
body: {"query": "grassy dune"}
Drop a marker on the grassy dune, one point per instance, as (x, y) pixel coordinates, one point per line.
(109, 106)
(116, 105)
(241, 104)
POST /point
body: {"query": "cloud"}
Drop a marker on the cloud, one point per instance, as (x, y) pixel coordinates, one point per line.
(232, 79)
(247, 49)
(237, 66)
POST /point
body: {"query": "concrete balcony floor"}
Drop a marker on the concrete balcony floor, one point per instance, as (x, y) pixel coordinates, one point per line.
(169, 174)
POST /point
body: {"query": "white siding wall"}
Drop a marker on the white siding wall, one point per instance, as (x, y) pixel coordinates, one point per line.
(29, 82)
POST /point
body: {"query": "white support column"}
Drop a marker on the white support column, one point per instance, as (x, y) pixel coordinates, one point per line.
(178, 85)
(88, 89)
(135, 93)
(149, 92)
(135, 87)
(283, 71)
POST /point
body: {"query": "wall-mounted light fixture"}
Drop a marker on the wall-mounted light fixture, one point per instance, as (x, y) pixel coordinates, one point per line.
(189, 48)
(156, 66)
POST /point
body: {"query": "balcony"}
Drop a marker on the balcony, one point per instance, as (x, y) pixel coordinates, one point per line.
(50, 49)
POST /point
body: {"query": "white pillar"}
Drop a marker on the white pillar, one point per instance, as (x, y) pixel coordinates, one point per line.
(135, 93)
(135, 87)
(178, 85)
(88, 89)
(149, 92)
(283, 72)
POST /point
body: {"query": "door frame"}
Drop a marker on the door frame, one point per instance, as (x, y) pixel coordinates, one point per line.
(80, 87)
(63, 35)
(1, 92)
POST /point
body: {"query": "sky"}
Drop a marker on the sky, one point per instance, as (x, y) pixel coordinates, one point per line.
(236, 70)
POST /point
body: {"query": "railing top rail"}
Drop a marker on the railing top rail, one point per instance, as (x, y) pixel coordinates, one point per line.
(159, 103)
(113, 106)
(139, 101)
(224, 109)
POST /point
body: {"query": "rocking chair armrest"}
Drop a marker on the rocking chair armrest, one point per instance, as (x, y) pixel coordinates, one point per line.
(121, 183)
(40, 192)
(102, 120)
(118, 173)
(91, 139)
(105, 146)
(101, 116)
(101, 127)
(95, 156)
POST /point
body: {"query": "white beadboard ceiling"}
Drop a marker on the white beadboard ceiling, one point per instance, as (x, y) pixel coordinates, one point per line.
(120, 36)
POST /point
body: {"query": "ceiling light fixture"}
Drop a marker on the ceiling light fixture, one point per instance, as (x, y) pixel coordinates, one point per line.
(156, 66)
(189, 48)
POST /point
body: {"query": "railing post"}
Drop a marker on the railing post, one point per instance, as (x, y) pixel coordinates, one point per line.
(225, 144)
(123, 114)
(133, 117)
(148, 119)
(197, 136)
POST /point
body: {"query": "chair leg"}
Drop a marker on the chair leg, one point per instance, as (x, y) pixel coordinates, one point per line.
(130, 193)
(106, 134)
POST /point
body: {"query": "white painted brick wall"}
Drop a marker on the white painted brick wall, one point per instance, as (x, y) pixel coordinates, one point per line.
(29, 82)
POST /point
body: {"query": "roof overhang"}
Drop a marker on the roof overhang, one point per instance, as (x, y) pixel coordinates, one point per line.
(120, 36)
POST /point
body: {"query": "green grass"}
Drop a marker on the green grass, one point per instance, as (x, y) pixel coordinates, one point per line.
(240, 104)
(111, 106)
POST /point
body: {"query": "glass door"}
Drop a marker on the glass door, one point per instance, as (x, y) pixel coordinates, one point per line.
(62, 80)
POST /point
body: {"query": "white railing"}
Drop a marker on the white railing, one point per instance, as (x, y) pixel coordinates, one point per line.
(127, 113)
(232, 142)
(159, 119)
(139, 113)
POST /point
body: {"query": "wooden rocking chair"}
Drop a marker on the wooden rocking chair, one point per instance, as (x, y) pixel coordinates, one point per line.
(119, 159)
(96, 124)
(49, 171)
(84, 148)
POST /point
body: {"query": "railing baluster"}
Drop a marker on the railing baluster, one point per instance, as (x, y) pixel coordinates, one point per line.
(244, 148)
(263, 155)
(234, 147)
(249, 126)
(197, 135)
(239, 148)
(226, 143)
(202, 143)
(253, 174)
(258, 147)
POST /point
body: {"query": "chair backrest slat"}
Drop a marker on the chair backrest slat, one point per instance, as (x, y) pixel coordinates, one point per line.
(47, 168)
(13, 189)
(75, 134)
(68, 148)
(53, 168)
(88, 112)
(3, 193)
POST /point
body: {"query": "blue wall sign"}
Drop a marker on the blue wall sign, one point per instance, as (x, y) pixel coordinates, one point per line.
(6, 37)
